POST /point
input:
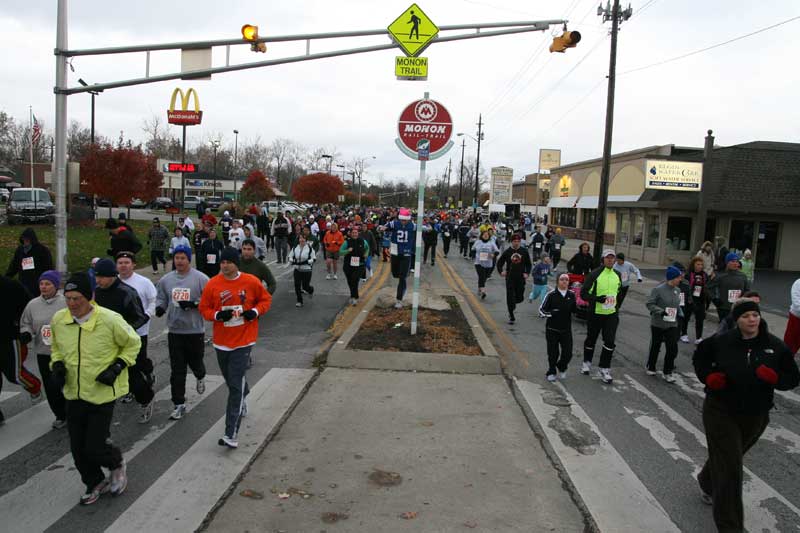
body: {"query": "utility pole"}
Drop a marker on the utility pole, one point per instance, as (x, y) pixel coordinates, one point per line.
(702, 206)
(614, 15)
(215, 145)
(447, 192)
(478, 161)
(461, 173)
(235, 164)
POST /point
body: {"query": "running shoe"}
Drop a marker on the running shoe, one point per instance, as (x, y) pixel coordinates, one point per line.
(354, 302)
(685, 338)
(335, 276)
(128, 398)
(586, 367)
(511, 319)
(563, 375)
(669, 378)
(119, 479)
(146, 413)
(229, 442)
(201, 385)
(328, 276)
(551, 378)
(178, 412)
(398, 304)
(650, 372)
(36, 396)
(58, 424)
(93, 494)
(299, 304)
(698, 341)
(605, 375)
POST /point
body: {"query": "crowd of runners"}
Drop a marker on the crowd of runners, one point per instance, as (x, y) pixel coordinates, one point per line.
(90, 332)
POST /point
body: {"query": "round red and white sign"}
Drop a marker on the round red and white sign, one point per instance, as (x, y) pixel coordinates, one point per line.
(425, 120)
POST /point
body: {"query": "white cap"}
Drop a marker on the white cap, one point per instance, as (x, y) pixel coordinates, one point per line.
(609, 251)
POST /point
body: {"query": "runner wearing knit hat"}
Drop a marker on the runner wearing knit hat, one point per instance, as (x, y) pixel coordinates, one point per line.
(401, 249)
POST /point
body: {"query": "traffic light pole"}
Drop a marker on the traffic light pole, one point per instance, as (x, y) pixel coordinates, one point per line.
(61, 140)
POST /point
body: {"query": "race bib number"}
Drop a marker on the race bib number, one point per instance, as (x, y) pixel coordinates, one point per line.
(27, 263)
(355, 261)
(698, 290)
(47, 335)
(734, 295)
(556, 247)
(483, 256)
(671, 314)
(446, 233)
(537, 245)
(402, 236)
(682, 299)
(211, 259)
(393, 248)
(625, 276)
(610, 303)
(180, 294)
(237, 319)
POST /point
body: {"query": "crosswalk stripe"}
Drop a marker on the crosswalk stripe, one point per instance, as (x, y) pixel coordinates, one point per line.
(757, 516)
(7, 395)
(58, 487)
(182, 497)
(24, 428)
(600, 473)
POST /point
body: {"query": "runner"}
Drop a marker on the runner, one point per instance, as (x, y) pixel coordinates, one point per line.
(685, 301)
(226, 222)
(158, 239)
(233, 301)
(582, 262)
(177, 240)
(448, 230)
(31, 259)
(236, 235)
(332, 242)
(430, 237)
(514, 265)
(402, 234)
(178, 296)
(664, 306)
(355, 250)
(558, 306)
(536, 244)
(250, 264)
(302, 257)
(280, 230)
(472, 237)
(463, 239)
(554, 245)
(541, 271)
(600, 290)
(627, 271)
(91, 351)
(211, 251)
(792, 334)
(484, 249)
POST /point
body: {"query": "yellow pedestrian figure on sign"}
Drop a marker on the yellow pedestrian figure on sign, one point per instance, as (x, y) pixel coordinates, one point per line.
(415, 20)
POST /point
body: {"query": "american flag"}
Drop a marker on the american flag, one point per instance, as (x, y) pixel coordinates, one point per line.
(36, 133)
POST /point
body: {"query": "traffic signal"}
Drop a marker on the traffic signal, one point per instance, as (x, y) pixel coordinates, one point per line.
(568, 39)
(250, 33)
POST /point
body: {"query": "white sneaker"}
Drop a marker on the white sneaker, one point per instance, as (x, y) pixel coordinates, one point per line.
(551, 378)
(147, 413)
(398, 305)
(685, 338)
(335, 276)
(563, 375)
(119, 479)
(298, 304)
(669, 378)
(354, 302)
(650, 372)
(178, 412)
(229, 442)
(586, 367)
(605, 375)
(328, 276)
(698, 341)
(201, 385)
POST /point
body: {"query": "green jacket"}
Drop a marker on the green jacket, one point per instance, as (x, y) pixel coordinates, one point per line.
(259, 269)
(88, 349)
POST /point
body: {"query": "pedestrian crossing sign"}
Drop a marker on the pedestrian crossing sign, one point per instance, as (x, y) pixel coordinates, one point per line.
(413, 31)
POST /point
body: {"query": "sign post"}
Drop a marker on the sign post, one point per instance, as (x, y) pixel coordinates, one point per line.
(184, 117)
(424, 132)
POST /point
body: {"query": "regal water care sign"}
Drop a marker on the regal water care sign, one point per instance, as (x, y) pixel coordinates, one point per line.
(501, 187)
(673, 175)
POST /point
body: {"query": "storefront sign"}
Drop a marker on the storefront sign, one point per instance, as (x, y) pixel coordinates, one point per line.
(184, 116)
(564, 185)
(673, 175)
(549, 159)
(501, 188)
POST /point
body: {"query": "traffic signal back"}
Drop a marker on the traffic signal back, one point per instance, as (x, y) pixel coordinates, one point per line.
(567, 40)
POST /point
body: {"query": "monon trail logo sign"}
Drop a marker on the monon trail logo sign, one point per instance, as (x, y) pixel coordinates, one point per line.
(424, 130)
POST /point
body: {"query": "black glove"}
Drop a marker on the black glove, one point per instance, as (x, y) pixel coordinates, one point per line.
(25, 337)
(160, 311)
(186, 305)
(224, 315)
(250, 314)
(601, 299)
(110, 374)
(59, 375)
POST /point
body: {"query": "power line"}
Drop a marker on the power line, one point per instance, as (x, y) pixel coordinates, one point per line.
(706, 49)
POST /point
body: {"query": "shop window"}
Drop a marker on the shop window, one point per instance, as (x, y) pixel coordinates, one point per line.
(741, 236)
(679, 233)
(638, 229)
(589, 220)
(564, 217)
(653, 230)
(623, 227)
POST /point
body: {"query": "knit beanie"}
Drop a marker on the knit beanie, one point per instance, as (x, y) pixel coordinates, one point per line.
(404, 214)
(732, 256)
(52, 276)
(672, 273)
(744, 305)
(106, 268)
(81, 283)
(183, 249)
(230, 254)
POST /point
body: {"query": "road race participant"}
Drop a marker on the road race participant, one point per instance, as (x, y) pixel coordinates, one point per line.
(728, 286)
(540, 272)
(728, 323)
(198, 238)
(249, 264)
(31, 259)
(355, 251)
(484, 249)
(211, 250)
(236, 235)
(463, 239)
(741, 369)
(600, 289)
(112, 294)
(792, 335)
(473, 235)
(260, 248)
(403, 234)
(92, 349)
(448, 230)
(430, 237)
(514, 264)
(665, 309)
(227, 223)
(280, 230)
(582, 262)
(234, 300)
(554, 245)
(158, 240)
(536, 244)
(627, 271)
(177, 240)
(332, 242)
(302, 257)
(686, 301)
(178, 296)
(34, 331)
(698, 283)
(558, 306)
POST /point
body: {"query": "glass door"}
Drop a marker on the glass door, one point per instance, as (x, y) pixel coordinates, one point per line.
(767, 244)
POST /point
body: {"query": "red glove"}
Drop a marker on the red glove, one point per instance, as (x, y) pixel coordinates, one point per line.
(767, 375)
(716, 381)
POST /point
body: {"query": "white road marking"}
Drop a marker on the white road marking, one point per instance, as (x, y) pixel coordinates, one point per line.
(662, 435)
(182, 497)
(6, 395)
(58, 487)
(24, 428)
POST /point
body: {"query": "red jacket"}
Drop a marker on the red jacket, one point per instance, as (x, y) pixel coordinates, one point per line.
(240, 294)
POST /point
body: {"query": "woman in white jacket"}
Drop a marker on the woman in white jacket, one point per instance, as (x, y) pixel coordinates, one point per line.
(302, 257)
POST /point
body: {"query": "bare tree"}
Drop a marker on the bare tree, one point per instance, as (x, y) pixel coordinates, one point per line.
(159, 141)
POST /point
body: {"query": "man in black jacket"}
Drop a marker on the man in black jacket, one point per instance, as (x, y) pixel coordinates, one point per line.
(514, 264)
(463, 239)
(31, 259)
(448, 229)
(558, 306)
(537, 244)
(122, 239)
(741, 370)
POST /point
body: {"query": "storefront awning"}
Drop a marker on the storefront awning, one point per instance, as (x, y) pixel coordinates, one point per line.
(590, 202)
(564, 201)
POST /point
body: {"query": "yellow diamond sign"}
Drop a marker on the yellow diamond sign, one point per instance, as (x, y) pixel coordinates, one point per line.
(413, 30)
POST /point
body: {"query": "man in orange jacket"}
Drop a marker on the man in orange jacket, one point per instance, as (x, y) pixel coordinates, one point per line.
(234, 300)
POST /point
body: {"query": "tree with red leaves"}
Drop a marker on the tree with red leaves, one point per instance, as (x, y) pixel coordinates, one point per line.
(120, 173)
(256, 188)
(318, 188)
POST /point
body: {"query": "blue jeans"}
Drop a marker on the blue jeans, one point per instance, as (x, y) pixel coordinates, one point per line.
(538, 290)
(233, 365)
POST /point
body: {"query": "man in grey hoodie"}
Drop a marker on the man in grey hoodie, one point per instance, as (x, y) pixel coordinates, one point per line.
(664, 304)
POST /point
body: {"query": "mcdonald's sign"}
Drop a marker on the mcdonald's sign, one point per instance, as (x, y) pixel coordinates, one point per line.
(184, 116)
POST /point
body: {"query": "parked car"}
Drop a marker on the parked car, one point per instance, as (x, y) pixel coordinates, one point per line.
(190, 202)
(105, 202)
(30, 205)
(214, 202)
(137, 203)
(162, 202)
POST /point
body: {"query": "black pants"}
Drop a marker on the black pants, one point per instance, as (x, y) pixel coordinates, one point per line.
(432, 247)
(722, 313)
(446, 245)
(354, 275)
(729, 436)
(669, 337)
(556, 257)
(302, 282)
(55, 396)
(140, 381)
(156, 257)
(607, 324)
(558, 339)
(483, 274)
(401, 264)
(699, 311)
(89, 426)
(515, 292)
(463, 246)
(185, 350)
(623, 292)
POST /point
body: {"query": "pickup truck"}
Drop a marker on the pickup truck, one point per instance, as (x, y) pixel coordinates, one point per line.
(30, 205)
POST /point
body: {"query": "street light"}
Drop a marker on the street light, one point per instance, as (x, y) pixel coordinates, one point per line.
(342, 167)
(93, 93)
(330, 161)
(361, 171)
(461, 170)
(235, 166)
(215, 145)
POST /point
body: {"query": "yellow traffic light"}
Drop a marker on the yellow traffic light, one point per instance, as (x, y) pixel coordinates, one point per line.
(250, 33)
(567, 40)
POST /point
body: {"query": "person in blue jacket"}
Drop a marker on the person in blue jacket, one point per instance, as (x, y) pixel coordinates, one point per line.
(401, 247)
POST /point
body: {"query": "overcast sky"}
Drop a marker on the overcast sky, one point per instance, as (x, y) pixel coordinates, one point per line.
(744, 91)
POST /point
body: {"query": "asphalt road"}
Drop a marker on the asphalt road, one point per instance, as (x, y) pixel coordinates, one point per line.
(654, 426)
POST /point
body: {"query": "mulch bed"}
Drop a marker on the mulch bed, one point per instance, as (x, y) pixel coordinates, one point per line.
(445, 332)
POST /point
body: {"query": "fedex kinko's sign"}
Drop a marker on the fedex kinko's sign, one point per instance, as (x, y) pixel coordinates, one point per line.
(184, 116)
(424, 130)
